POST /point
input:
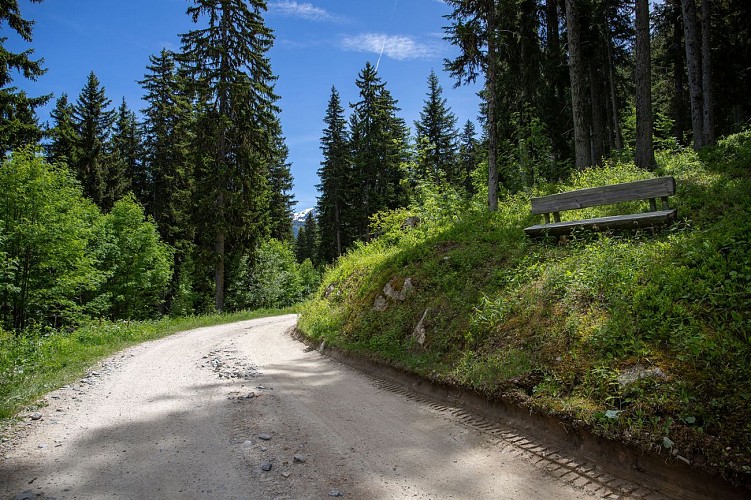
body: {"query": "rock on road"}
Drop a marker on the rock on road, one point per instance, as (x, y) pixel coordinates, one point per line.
(246, 411)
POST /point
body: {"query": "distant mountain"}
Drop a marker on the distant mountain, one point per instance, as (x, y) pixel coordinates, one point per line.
(298, 219)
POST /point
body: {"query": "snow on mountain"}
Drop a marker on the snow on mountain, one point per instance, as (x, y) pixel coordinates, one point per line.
(300, 216)
(298, 219)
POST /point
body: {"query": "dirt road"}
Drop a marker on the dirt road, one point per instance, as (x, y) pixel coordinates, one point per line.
(203, 413)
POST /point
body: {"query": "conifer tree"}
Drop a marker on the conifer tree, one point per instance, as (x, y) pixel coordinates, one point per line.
(335, 174)
(126, 145)
(474, 30)
(63, 135)
(281, 198)
(93, 126)
(436, 137)
(18, 120)
(305, 246)
(235, 141)
(468, 157)
(165, 183)
(379, 148)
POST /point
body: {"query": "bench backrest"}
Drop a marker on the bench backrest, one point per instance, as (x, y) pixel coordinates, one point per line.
(605, 195)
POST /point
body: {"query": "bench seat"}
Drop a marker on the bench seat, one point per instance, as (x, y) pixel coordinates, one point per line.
(655, 189)
(631, 221)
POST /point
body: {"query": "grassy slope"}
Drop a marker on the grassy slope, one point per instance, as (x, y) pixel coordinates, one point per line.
(33, 366)
(551, 326)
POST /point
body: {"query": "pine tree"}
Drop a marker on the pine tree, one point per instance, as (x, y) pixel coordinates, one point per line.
(281, 198)
(63, 135)
(235, 141)
(93, 126)
(164, 186)
(307, 238)
(436, 137)
(468, 157)
(335, 174)
(379, 148)
(18, 120)
(126, 144)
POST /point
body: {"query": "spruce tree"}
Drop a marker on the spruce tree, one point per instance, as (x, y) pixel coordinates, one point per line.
(468, 157)
(93, 126)
(281, 198)
(436, 137)
(63, 135)
(335, 175)
(126, 143)
(379, 148)
(164, 186)
(235, 141)
(307, 238)
(18, 120)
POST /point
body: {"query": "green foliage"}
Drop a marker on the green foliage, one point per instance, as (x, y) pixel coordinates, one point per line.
(273, 279)
(136, 263)
(237, 131)
(554, 326)
(98, 174)
(45, 227)
(18, 121)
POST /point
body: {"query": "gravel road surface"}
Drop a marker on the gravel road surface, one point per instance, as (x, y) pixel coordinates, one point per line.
(246, 411)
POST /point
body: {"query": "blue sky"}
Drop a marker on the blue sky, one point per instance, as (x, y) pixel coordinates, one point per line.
(318, 44)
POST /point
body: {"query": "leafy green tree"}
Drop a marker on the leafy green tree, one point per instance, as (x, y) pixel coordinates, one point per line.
(436, 137)
(335, 174)
(63, 135)
(45, 229)
(379, 149)
(18, 120)
(138, 265)
(271, 280)
(93, 126)
(310, 278)
(235, 139)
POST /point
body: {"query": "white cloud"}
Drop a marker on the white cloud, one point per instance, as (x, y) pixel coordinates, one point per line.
(306, 11)
(399, 47)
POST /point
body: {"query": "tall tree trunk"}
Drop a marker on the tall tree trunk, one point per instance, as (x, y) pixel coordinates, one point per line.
(556, 84)
(578, 86)
(219, 272)
(492, 120)
(706, 71)
(680, 100)
(644, 157)
(613, 106)
(690, 31)
(599, 124)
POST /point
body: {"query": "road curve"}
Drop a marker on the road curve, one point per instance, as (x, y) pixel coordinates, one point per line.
(202, 413)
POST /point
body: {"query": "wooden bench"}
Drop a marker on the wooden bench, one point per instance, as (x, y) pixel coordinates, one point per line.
(650, 189)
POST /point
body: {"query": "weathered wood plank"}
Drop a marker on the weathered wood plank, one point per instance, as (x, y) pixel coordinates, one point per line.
(632, 221)
(660, 187)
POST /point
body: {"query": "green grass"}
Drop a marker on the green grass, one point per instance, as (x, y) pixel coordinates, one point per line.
(32, 365)
(551, 325)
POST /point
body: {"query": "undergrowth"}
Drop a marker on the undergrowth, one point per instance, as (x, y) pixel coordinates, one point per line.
(555, 326)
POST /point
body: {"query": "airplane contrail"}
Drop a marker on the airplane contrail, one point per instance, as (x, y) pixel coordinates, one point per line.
(385, 36)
